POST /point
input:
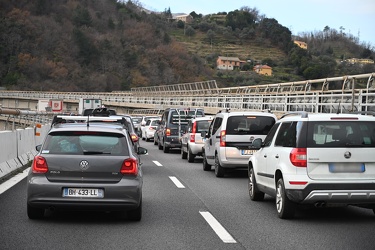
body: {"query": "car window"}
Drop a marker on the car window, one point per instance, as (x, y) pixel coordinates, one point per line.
(287, 135)
(183, 116)
(202, 126)
(85, 143)
(148, 122)
(270, 135)
(155, 123)
(254, 125)
(217, 124)
(341, 134)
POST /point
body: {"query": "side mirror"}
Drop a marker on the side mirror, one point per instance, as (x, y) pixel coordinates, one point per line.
(142, 151)
(38, 147)
(257, 143)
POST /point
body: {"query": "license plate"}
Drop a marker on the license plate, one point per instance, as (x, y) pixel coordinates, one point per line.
(248, 151)
(83, 192)
(346, 168)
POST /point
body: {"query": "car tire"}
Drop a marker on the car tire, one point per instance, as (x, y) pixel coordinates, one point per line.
(136, 214)
(206, 166)
(183, 154)
(165, 149)
(190, 156)
(254, 192)
(155, 141)
(285, 208)
(35, 213)
(159, 145)
(219, 170)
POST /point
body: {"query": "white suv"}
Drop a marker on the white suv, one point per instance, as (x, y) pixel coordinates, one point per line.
(228, 144)
(316, 159)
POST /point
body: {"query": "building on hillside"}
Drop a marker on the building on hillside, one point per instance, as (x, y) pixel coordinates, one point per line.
(228, 63)
(263, 70)
(300, 44)
(357, 60)
(183, 17)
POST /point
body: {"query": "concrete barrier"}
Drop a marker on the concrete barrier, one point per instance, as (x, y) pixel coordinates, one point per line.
(17, 148)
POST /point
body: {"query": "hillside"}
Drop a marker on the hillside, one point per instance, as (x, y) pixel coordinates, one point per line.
(108, 45)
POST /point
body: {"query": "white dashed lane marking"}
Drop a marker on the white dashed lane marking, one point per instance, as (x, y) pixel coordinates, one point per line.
(217, 227)
(176, 182)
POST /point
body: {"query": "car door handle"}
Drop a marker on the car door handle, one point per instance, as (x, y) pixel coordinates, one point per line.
(277, 156)
(265, 156)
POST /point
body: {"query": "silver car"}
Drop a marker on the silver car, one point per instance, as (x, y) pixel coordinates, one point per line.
(85, 167)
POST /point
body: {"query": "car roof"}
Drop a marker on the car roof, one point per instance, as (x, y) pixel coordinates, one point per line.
(326, 117)
(238, 113)
(204, 118)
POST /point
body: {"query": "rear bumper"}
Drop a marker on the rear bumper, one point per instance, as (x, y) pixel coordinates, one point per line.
(342, 193)
(124, 195)
(172, 142)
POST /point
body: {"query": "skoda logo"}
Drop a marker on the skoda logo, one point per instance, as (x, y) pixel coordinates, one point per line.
(347, 154)
(84, 165)
(252, 138)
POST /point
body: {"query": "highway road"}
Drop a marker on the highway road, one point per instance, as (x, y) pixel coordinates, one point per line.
(185, 207)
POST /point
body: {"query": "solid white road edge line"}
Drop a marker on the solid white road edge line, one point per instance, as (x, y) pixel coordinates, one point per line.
(157, 163)
(217, 227)
(13, 181)
(176, 182)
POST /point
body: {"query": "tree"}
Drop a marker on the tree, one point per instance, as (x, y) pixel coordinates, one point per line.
(210, 35)
(189, 31)
(82, 17)
(239, 19)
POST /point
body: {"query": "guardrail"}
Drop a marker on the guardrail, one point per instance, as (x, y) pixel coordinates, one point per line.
(311, 96)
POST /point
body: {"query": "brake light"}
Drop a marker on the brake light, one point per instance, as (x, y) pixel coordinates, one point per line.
(39, 165)
(167, 132)
(298, 157)
(129, 166)
(194, 129)
(222, 138)
(192, 138)
(134, 137)
(151, 128)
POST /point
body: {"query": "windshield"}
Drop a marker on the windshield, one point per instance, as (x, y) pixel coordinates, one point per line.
(341, 134)
(183, 116)
(249, 125)
(85, 143)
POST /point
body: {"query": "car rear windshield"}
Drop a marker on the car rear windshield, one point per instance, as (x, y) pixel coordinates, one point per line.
(341, 134)
(249, 125)
(202, 126)
(183, 116)
(85, 143)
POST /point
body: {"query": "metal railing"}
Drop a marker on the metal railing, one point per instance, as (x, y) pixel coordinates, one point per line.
(311, 95)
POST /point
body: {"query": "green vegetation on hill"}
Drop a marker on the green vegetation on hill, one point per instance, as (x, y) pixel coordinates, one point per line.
(109, 45)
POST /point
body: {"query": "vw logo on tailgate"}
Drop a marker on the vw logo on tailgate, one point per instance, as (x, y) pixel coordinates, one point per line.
(84, 165)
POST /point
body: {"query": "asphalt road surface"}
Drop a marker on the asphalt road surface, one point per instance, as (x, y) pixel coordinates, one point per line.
(185, 207)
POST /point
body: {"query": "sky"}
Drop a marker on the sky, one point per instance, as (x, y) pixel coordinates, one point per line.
(356, 17)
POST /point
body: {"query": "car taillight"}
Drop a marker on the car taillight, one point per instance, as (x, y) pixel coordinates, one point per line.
(167, 132)
(129, 166)
(298, 157)
(39, 165)
(134, 137)
(194, 129)
(192, 138)
(222, 138)
(151, 128)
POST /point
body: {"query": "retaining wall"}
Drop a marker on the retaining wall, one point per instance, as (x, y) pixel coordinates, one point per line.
(17, 147)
